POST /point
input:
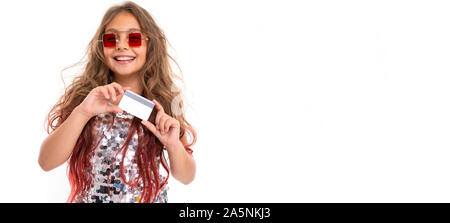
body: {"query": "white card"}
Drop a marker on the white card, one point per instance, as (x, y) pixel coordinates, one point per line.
(136, 105)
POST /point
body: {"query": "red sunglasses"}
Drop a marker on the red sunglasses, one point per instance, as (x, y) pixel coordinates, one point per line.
(111, 39)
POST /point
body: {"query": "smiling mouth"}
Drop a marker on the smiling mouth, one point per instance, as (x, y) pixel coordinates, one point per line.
(124, 58)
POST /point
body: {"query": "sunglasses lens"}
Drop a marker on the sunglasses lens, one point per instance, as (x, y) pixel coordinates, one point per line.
(134, 39)
(109, 40)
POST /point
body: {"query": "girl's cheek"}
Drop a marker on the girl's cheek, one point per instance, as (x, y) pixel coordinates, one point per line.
(107, 53)
(141, 54)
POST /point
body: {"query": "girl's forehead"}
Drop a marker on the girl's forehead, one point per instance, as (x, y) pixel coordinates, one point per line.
(112, 30)
(123, 21)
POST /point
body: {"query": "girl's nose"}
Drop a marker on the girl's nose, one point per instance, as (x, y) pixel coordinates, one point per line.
(123, 43)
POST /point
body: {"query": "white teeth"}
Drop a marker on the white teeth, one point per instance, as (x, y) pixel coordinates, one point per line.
(124, 58)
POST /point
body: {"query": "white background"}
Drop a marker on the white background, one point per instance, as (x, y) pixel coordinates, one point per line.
(293, 101)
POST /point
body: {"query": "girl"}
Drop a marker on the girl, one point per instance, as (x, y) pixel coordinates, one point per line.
(112, 155)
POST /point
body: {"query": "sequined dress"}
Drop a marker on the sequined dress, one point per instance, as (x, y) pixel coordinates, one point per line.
(107, 185)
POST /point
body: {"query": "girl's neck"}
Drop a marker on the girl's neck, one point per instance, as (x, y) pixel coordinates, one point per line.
(129, 81)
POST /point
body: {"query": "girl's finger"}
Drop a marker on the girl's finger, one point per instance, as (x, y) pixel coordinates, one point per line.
(162, 124)
(112, 92)
(167, 125)
(104, 91)
(151, 127)
(114, 108)
(158, 105)
(117, 87)
(159, 115)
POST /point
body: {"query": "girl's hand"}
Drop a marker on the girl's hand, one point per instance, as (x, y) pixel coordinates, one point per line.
(167, 129)
(99, 99)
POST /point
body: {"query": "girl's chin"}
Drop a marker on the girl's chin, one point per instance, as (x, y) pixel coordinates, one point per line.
(124, 73)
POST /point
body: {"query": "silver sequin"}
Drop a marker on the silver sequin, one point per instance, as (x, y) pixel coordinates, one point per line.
(107, 185)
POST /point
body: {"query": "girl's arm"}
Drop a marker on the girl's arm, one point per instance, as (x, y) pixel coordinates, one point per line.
(58, 146)
(182, 164)
(167, 130)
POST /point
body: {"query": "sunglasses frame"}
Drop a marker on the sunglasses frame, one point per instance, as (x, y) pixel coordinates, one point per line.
(118, 37)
